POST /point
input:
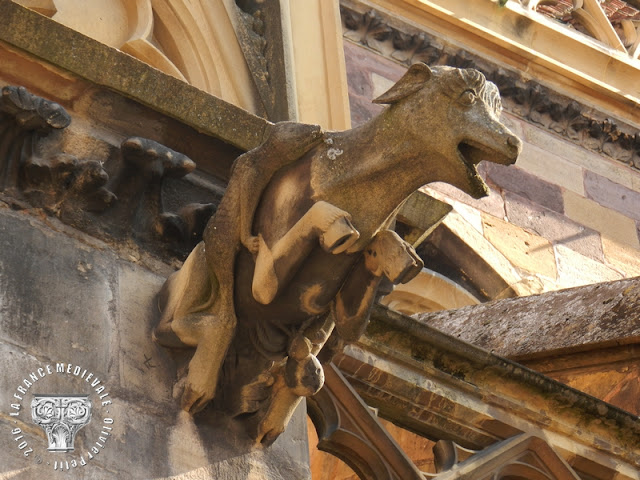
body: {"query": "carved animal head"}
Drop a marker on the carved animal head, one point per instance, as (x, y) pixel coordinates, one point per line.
(454, 113)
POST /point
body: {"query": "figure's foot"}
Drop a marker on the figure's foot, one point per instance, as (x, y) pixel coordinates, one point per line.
(339, 236)
(283, 403)
(199, 389)
(304, 377)
(212, 334)
(337, 233)
(391, 256)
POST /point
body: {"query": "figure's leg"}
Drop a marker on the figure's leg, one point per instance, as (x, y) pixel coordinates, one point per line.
(212, 334)
(391, 256)
(287, 142)
(275, 266)
(197, 311)
(301, 378)
(212, 329)
(186, 292)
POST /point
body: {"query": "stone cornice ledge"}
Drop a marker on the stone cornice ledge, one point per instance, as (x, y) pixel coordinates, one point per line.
(442, 387)
(527, 41)
(573, 320)
(585, 122)
(105, 66)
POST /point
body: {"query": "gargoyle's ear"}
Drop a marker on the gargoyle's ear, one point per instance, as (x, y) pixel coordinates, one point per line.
(411, 82)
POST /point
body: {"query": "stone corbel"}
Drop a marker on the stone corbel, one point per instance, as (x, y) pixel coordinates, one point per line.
(24, 120)
(31, 161)
(33, 165)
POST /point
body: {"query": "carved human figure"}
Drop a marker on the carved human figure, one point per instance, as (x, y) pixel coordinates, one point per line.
(313, 273)
(228, 230)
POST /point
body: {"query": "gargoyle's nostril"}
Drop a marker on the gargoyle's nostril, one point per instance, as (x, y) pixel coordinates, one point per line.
(513, 141)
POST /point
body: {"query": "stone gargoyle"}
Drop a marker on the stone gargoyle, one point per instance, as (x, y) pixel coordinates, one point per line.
(301, 241)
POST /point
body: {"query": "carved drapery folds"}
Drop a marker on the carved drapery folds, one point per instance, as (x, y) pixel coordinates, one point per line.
(524, 98)
(79, 191)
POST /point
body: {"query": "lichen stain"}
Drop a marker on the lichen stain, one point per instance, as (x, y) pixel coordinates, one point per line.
(308, 300)
(522, 26)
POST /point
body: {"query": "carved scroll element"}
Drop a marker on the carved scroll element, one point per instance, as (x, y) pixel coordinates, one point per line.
(61, 416)
(349, 430)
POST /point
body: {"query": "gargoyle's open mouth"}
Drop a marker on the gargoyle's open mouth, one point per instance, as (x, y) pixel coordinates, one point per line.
(472, 153)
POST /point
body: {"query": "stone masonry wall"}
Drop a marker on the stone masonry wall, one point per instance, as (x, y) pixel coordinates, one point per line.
(67, 298)
(91, 225)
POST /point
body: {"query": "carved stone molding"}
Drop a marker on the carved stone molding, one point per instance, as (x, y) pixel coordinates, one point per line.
(612, 22)
(259, 29)
(34, 166)
(522, 456)
(349, 430)
(418, 378)
(525, 98)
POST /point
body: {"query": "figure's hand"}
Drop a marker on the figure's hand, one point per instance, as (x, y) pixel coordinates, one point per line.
(252, 244)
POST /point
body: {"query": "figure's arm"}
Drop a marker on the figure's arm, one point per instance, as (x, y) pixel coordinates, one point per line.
(323, 224)
(287, 143)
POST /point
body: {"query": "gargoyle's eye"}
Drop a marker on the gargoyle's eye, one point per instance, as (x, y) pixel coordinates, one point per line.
(468, 97)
